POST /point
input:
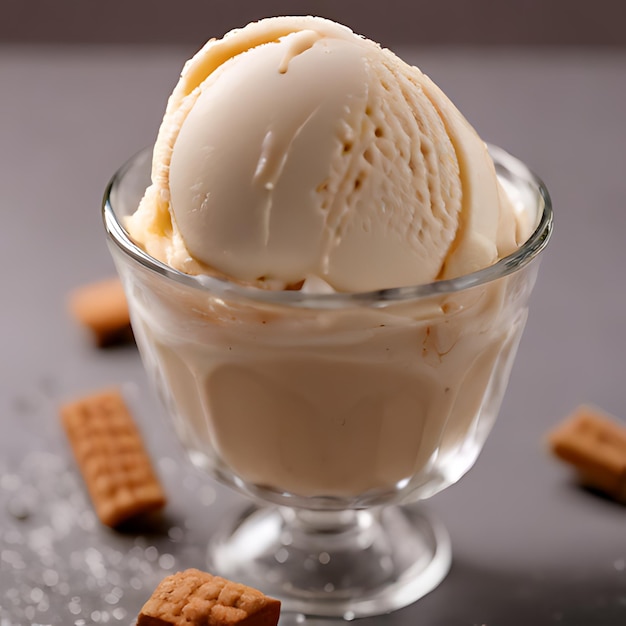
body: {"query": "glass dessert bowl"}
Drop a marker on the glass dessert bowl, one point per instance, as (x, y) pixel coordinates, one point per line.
(336, 413)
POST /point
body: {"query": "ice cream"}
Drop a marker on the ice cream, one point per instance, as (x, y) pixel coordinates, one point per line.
(293, 149)
(295, 155)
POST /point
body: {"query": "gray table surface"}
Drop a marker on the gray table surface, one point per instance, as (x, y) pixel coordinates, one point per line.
(529, 546)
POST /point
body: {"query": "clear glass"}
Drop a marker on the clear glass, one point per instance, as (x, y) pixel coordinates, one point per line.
(336, 412)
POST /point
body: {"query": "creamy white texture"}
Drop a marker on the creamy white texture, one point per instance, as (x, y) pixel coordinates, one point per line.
(244, 171)
(339, 403)
(294, 150)
(360, 402)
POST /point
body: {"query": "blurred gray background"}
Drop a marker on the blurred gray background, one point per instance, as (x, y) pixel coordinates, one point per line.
(392, 22)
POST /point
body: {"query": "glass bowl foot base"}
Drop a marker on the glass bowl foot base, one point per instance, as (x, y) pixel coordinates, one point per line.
(335, 563)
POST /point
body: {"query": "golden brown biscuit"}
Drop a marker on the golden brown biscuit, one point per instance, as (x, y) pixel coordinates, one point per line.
(102, 308)
(111, 457)
(193, 598)
(595, 445)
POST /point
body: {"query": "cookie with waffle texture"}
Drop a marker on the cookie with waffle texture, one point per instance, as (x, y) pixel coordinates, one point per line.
(102, 309)
(196, 598)
(112, 458)
(594, 443)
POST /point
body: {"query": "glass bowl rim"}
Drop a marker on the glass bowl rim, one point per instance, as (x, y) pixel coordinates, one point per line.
(225, 288)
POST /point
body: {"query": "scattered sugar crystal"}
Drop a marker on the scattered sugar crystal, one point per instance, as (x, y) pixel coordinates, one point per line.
(114, 577)
(140, 544)
(111, 599)
(74, 606)
(91, 583)
(119, 613)
(151, 553)
(60, 565)
(36, 594)
(176, 534)
(12, 558)
(44, 604)
(115, 557)
(167, 561)
(63, 589)
(136, 583)
(282, 554)
(50, 577)
(94, 561)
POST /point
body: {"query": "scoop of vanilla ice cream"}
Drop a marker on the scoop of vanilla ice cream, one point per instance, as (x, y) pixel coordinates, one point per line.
(294, 150)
